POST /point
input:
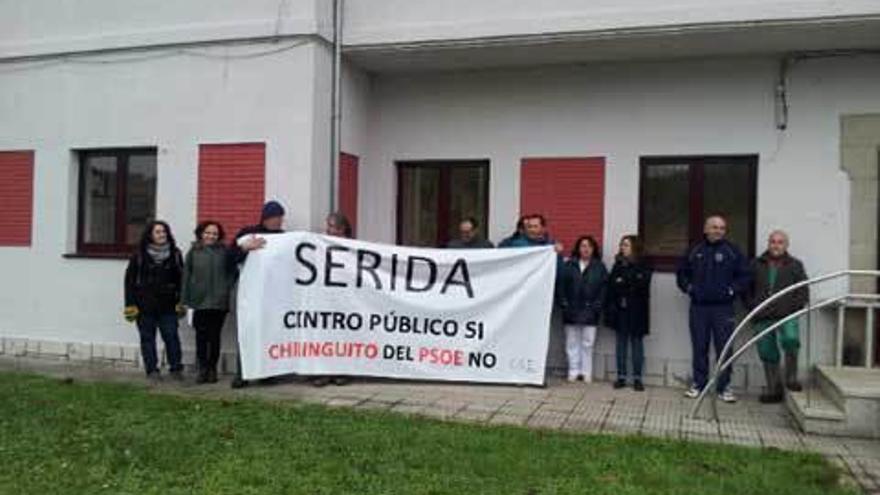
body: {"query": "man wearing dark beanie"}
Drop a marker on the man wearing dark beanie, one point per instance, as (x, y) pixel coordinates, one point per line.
(248, 239)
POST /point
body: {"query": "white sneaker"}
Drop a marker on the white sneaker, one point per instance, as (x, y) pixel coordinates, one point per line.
(572, 378)
(693, 392)
(727, 396)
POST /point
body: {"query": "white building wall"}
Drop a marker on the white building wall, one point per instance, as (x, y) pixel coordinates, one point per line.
(624, 111)
(40, 27)
(177, 99)
(409, 21)
(174, 103)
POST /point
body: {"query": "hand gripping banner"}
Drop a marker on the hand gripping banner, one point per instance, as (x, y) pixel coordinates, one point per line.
(317, 305)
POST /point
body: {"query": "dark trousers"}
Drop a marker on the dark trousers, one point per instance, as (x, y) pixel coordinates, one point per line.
(710, 323)
(625, 341)
(630, 336)
(166, 322)
(208, 323)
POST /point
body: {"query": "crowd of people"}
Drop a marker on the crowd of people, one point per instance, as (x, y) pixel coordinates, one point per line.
(162, 286)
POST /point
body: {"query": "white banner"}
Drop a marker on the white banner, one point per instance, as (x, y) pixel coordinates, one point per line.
(319, 305)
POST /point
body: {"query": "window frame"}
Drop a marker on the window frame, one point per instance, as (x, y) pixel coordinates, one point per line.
(444, 167)
(696, 179)
(119, 248)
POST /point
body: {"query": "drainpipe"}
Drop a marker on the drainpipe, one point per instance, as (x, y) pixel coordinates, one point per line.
(336, 105)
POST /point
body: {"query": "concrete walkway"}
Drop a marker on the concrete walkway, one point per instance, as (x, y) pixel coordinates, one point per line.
(590, 408)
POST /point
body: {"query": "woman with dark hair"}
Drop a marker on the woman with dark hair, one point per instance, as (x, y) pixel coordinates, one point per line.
(152, 296)
(629, 291)
(582, 297)
(514, 237)
(207, 281)
(336, 224)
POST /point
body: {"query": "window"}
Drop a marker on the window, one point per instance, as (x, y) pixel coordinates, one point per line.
(348, 188)
(232, 180)
(117, 197)
(16, 197)
(678, 193)
(434, 196)
(569, 192)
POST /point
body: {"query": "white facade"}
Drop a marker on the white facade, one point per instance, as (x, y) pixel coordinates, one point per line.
(422, 80)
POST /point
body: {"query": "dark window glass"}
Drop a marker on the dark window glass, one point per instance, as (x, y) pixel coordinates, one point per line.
(99, 203)
(678, 193)
(117, 198)
(434, 196)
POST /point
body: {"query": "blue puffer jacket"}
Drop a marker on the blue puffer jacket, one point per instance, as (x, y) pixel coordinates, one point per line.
(521, 240)
(713, 273)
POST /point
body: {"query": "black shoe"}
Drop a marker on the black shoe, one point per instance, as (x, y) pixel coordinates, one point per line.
(619, 383)
(341, 380)
(154, 377)
(211, 376)
(237, 382)
(638, 387)
(794, 386)
(770, 398)
(177, 375)
(320, 381)
(202, 377)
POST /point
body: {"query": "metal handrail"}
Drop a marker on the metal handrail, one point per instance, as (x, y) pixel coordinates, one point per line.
(722, 364)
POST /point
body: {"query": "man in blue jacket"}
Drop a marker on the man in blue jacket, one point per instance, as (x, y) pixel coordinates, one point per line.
(713, 273)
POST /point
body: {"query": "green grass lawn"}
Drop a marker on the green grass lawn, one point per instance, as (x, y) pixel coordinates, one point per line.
(89, 438)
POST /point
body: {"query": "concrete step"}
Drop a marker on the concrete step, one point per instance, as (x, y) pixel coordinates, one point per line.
(814, 412)
(844, 402)
(851, 382)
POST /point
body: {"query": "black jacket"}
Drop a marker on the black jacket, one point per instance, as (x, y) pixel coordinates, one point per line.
(475, 243)
(153, 287)
(238, 254)
(628, 297)
(582, 294)
(790, 271)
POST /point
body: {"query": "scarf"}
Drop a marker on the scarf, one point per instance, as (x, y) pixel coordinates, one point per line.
(159, 253)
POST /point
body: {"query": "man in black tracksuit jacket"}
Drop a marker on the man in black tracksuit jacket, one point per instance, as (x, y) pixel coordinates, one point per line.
(713, 273)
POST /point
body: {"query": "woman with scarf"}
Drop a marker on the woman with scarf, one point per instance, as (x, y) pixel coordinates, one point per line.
(152, 297)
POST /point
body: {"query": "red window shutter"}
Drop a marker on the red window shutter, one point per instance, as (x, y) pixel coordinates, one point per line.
(569, 192)
(348, 188)
(16, 197)
(231, 184)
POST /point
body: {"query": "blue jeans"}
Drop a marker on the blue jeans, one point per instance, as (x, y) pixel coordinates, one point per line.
(167, 325)
(624, 341)
(710, 323)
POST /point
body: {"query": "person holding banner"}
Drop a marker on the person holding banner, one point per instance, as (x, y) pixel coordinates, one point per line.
(628, 308)
(337, 225)
(534, 233)
(152, 297)
(583, 298)
(248, 239)
(208, 275)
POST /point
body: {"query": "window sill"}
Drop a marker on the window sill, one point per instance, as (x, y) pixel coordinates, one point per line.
(97, 256)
